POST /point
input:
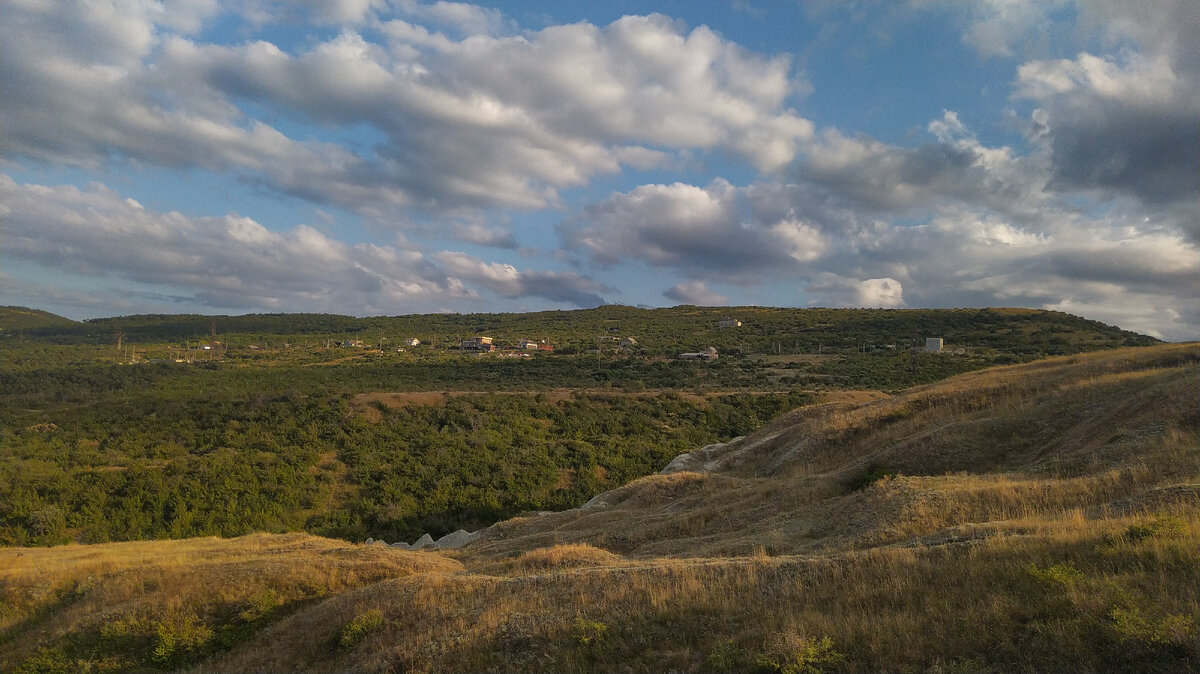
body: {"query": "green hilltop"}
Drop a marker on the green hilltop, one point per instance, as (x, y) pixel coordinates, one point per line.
(18, 319)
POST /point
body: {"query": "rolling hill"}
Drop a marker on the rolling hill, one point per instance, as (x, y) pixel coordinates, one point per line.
(666, 330)
(1042, 516)
(19, 319)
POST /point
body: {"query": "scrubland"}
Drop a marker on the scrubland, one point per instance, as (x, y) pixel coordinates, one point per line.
(1043, 516)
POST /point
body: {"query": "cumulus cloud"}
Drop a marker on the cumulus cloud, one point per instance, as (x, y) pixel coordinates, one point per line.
(695, 292)
(1125, 124)
(1009, 27)
(475, 122)
(901, 180)
(952, 222)
(233, 262)
(877, 293)
(718, 231)
(506, 280)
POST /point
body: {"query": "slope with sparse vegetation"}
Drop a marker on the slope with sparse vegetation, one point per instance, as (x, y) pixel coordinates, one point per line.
(1043, 516)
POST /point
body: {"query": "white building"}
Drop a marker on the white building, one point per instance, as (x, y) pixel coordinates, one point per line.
(708, 354)
(933, 344)
(730, 323)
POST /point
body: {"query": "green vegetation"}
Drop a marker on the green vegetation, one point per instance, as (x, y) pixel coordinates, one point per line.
(665, 332)
(268, 424)
(154, 467)
(1043, 518)
(17, 320)
(358, 629)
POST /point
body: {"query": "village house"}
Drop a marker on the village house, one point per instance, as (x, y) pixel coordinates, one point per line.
(352, 344)
(730, 323)
(709, 354)
(530, 345)
(478, 344)
(933, 344)
(629, 343)
(412, 341)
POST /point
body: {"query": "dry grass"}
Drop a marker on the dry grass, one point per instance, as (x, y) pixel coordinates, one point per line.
(996, 600)
(1045, 516)
(51, 593)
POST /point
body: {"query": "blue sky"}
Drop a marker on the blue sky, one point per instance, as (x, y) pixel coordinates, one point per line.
(375, 157)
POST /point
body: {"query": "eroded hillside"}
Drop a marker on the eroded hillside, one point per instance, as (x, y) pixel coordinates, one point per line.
(1044, 516)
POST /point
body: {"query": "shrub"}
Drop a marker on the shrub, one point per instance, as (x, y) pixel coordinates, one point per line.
(725, 656)
(590, 634)
(176, 637)
(1062, 575)
(872, 474)
(48, 525)
(47, 661)
(1166, 526)
(795, 654)
(1152, 642)
(356, 630)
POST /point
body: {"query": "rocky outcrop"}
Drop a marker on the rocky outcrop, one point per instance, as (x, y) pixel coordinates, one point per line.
(450, 541)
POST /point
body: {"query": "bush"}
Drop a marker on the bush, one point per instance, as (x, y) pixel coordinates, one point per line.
(590, 634)
(794, 654)
(356, 630)
(872, 474)
(725, 656)
(1164, 526)
(177, 637)
(1060, 576)
(47, 661)
(47, 526)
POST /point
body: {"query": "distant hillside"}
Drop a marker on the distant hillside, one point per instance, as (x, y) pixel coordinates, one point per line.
(20, 319)
(1036, 517)
(762, 329)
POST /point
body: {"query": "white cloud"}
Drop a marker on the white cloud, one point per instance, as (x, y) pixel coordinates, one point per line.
(695, 292)
(957, 168)
(481, 121)
(834, 290)
(718, 231)
(234, 262)
(880, 292)
(465, 18)
(506, 280)
(1006, 27)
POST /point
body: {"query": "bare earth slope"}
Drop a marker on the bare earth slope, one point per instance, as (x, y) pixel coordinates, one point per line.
(1036, 517)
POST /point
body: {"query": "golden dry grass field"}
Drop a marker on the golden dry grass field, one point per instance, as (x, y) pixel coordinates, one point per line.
(1037, 517)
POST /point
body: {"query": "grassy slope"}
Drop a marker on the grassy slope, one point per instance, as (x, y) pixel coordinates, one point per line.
(18, 319)
(1046, 516)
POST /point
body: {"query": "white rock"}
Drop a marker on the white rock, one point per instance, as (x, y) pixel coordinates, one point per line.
(425, 541)
(455, 540)
(597, 501)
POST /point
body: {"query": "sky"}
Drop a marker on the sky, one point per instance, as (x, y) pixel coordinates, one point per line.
(385, 157)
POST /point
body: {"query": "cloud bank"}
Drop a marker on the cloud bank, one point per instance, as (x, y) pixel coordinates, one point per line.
(458, 160)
